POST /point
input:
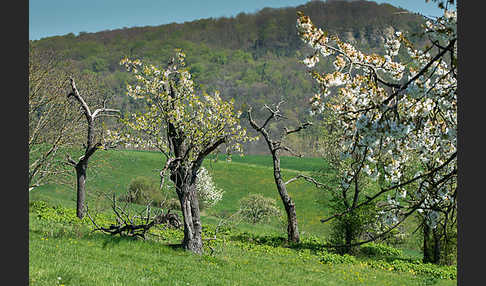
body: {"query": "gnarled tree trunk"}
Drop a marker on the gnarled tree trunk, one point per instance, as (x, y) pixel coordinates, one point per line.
(192, 220)
(185, 182)
(275, 146)
(292, 226)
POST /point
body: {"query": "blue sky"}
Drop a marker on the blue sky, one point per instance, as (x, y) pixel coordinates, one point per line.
(59, 17)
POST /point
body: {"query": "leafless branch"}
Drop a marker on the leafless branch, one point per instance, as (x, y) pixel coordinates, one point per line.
(126, 224)
(307, 178)
(302, 126)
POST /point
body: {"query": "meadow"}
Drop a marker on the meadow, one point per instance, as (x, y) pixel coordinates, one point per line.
(64, 251)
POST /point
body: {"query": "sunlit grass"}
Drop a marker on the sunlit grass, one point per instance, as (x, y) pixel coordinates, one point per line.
(61, 254)
(65, 254)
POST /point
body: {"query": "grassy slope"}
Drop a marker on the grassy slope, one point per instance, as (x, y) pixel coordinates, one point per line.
(80, 258)
(249, 174)
(64, 254)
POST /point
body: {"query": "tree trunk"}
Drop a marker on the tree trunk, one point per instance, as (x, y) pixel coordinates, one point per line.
(427, 257)
(81, 191)
(436, 235)
(190, 211)
(348, 237)
(292, 227)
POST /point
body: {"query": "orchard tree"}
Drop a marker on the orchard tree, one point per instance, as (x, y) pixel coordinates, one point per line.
(51, 118)
(398, 117)
(185, 126)
(91, 145)
(55, 122)
(275, 146)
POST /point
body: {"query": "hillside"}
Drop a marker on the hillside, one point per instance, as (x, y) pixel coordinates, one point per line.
(64, 250)
(112, 171)
(253, 58)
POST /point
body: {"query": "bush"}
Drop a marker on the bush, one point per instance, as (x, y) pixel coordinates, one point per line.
(332, 258)
(142, 190)
(256, 208)
(172, 204)
(416, 268)
(207, 192)
(378, 249)
(348, 228)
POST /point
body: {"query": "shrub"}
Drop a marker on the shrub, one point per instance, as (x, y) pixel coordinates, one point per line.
(256, 208)
(142, 190)
(172, 204)
(379, 249)
(332, 258)
(348, 228)
(207, 192)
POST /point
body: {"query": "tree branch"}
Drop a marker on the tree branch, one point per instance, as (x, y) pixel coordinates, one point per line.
(369, 199)
(307, 178)
(302, 126)
(77, 96)
(100, 111)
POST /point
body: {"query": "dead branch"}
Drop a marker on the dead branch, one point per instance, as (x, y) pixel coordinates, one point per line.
(128, 225)
(307, 178)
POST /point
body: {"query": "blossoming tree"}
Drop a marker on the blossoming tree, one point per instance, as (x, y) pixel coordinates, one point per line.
(398, 118)
(185, 126)
(206, 190)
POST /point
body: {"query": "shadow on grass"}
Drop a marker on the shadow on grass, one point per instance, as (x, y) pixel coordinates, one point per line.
(109, 240)
(279, 241)
(175, 246)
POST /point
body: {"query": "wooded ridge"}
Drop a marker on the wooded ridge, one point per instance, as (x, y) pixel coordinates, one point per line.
(253, 58)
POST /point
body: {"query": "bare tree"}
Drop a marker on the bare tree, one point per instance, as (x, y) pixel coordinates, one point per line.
(275, 146)
(52, 120)
(91, 146)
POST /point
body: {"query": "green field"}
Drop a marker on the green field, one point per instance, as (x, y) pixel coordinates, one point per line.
(112, 171)
(64, 251)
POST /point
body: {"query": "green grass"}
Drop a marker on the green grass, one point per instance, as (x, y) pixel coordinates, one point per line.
(286, 162)
(62, 253)
(67, 249)
(112, 171)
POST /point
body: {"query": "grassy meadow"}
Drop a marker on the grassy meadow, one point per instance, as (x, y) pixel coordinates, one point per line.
(64, 251)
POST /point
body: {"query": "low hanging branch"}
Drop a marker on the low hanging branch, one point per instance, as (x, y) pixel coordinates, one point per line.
(82, 164)
(136, 225)
(393, 187)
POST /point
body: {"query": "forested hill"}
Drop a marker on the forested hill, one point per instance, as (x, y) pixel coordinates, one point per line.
(253, 58)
